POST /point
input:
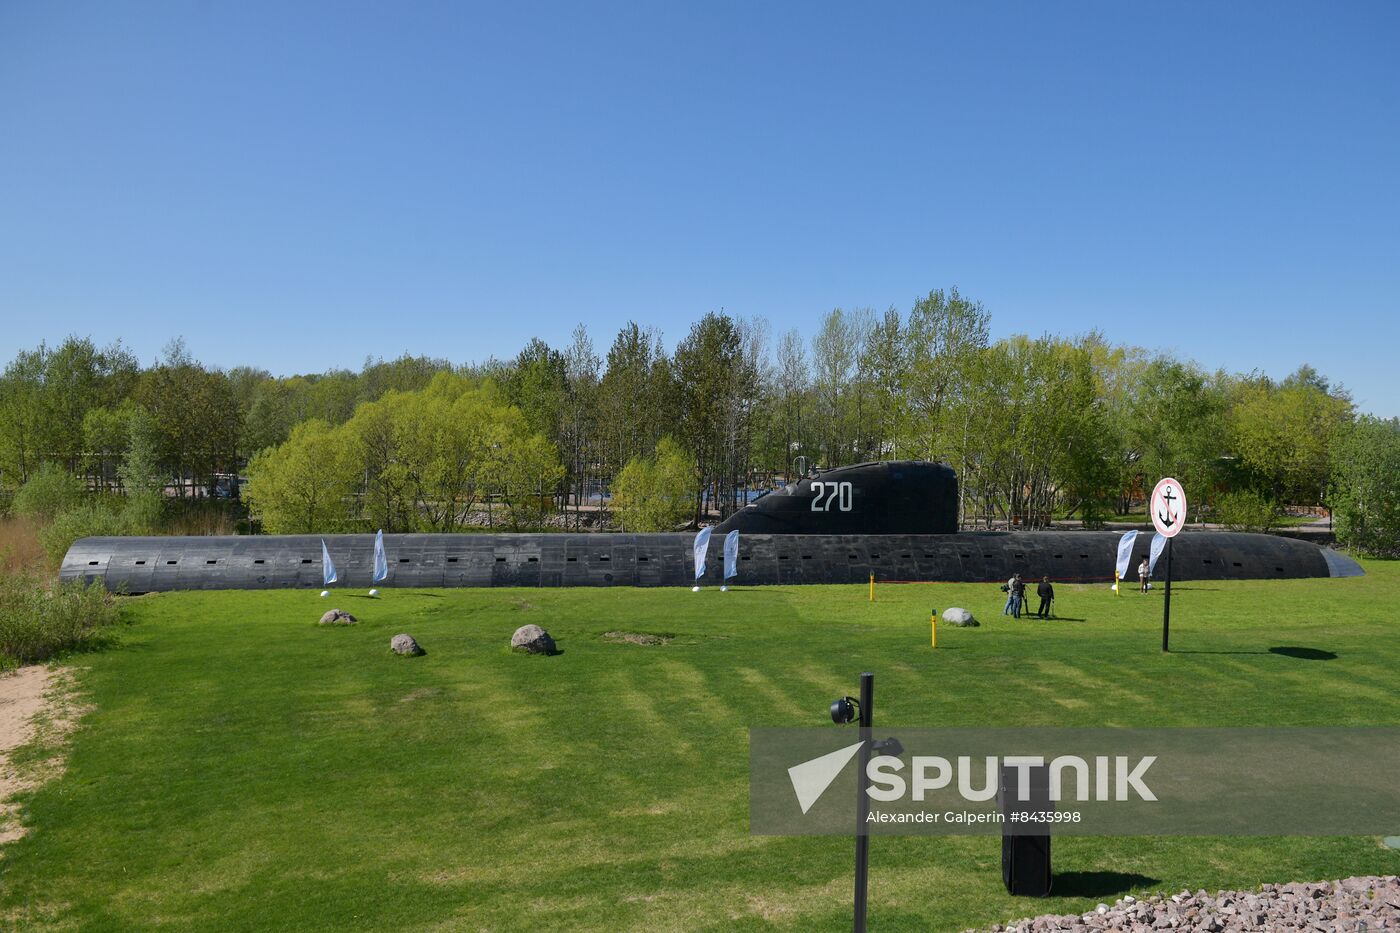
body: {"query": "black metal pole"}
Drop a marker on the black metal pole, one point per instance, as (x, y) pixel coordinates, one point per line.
(1167, 598)
(867, 715)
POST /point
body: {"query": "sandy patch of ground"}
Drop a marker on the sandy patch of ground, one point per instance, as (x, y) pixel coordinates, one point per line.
(35, 702)
(638, 638)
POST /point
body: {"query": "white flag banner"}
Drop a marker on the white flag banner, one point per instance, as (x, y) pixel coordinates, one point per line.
(731, 554)
(328, 575)
(1125, 553)
(1158, 543)
(702, 547)
(381, 560)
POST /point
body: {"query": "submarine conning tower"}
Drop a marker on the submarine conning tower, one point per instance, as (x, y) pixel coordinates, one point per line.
(891, 497)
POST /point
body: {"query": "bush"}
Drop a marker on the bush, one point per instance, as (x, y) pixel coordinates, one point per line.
(656, 493)
(143, 512)
(87, 521)
(1365, 494)
(49, 493)
(39, 618)
(1247, 510)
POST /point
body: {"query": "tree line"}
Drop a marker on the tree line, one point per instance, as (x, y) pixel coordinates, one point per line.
(1039, 428)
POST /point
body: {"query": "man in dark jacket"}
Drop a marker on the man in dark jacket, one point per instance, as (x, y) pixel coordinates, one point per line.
(1046, 592)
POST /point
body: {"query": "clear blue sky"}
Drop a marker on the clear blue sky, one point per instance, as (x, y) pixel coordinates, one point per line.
(298, 185)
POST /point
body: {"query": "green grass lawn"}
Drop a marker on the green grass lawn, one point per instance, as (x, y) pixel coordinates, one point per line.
(244, 769)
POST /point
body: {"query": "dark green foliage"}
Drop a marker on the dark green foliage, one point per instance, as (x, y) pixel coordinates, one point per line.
(50, 492)
(1246, 510)
(87, 520)
(1037, 427)
(1366, 487)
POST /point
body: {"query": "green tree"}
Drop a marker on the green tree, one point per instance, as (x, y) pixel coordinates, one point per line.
(792, 382)
(655, 493)
(527, 469)
(444, 440)
(50, 492)
(635, 399)
(21, 417)
(718, 389)
(305, 485)
(45, 395)
(1365, 493)
(386, 497)
(274, 406)
(1283, 435)
(944, 337)
(579, 427)
(1028, 430)
(537, 384)
(140, 473)
(106, 433)
(884, 362)
(1176, 425)
(197, 416)
(835, 348)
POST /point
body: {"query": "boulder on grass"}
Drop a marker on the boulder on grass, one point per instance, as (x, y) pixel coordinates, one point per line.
(959, 617)
(338, 617)
(405, 645)
(533, 639)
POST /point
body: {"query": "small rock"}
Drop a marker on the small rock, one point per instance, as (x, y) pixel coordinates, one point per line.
(959, 617)
(533, 639)
(338, 617)
(405, 645)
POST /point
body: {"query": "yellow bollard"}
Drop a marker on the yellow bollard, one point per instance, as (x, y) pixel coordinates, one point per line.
(933, 629)
(872, 586)
(1116, 590)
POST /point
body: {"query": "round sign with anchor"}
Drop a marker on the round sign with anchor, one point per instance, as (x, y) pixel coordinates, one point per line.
(1168, 507)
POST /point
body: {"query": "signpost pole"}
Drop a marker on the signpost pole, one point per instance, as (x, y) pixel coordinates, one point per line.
(867, 715)
(1167, 598)
(1168, 510)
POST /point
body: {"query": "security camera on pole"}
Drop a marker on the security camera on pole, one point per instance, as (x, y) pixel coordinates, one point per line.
(844, 711)
(1168, 510)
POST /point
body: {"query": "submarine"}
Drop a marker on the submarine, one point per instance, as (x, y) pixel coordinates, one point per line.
(895, 519)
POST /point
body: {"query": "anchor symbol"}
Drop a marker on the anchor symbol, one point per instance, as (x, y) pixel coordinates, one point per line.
(1166, 517)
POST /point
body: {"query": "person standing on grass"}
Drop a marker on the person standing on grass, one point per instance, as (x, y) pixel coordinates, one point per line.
(1009, 588)
(1046, 592)
(1018, 595)
(1142, 575)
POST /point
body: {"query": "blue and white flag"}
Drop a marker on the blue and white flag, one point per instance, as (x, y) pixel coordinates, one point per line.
(702, 547)
(327, 565)
(1158, 542)
(731, 554)
(1125, 553)
(381, 561)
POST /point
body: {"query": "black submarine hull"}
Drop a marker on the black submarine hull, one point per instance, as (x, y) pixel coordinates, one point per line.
(895, 519)
(156, 564)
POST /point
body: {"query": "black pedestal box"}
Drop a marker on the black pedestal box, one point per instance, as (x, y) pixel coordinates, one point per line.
(1025, 859)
